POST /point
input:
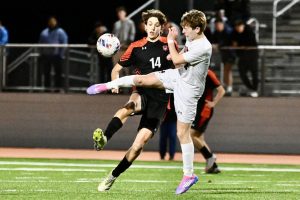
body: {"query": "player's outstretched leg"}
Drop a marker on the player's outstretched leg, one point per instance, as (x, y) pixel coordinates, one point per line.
(107, 183)
(186, 183)
(99, 138)
(125, 81)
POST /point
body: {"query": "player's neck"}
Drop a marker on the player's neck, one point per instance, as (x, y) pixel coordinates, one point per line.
(199, 37)
(153, 40)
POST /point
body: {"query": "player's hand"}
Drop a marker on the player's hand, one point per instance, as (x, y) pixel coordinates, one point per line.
(173, 33)
(169, 57)
(210, 104)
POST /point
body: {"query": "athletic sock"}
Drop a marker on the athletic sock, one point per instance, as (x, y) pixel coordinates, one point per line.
(205, 152)
(125, 81)
(123, 165)
(229, 89)
(114, 125)
(188, 158)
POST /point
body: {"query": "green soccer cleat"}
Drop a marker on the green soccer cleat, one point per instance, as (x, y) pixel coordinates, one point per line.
(100, 139)
(107, 183)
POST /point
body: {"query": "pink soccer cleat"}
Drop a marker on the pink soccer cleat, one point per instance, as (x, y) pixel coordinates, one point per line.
(96, 89)
(186, 183)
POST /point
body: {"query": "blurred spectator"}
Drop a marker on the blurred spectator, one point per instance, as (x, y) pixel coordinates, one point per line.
(244, 37)
(222, 38)
(168, 132)
(3, 34)
(125, 30)
(52, 57)
(141, 32)
(105, 63)
(234, 9)
(220, 14)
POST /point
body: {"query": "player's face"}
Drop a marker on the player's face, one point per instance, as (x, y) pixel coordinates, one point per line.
(190, 33)
(153, 28)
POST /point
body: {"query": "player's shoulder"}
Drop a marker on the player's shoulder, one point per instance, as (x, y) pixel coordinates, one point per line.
(163, 39)
(139, 43)
(212, 76)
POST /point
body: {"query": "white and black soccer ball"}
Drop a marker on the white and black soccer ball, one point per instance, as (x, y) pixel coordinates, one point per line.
(108, 44)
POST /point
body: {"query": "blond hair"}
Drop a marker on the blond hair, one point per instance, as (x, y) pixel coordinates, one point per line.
(194, 18)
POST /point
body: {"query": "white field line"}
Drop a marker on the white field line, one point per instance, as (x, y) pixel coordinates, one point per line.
(278, 183)
(52, 169)
(136, 166)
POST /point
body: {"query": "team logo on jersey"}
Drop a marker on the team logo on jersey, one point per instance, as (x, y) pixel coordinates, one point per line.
(137, 71)
(165, 48)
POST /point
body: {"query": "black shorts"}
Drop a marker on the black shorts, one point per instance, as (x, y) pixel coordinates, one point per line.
(152, 112)
(200, 123)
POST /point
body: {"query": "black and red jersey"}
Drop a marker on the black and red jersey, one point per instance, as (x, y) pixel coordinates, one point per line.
(211, 83)
(147, 57)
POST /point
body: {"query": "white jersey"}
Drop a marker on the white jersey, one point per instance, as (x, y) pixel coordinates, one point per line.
(197, 55)
(188, 83)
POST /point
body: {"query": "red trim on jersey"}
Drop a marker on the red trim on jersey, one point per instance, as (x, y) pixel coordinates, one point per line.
(209, 87)
(128, 51)
(165, 40)
(213, 77)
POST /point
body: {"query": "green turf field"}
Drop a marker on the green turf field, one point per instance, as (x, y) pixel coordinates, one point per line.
(78, 179)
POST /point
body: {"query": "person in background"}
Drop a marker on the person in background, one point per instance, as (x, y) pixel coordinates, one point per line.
(105, 63)
(52, 56)
(205, 108)
(222, 38)
(125, 30)
(220, 14)
(3, 34)
(167, 135)
(244, 37)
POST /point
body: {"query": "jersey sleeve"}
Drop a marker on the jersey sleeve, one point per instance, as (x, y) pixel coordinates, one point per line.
(213, 79)
(126, 58)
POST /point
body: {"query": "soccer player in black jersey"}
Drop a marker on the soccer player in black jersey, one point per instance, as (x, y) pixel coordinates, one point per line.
(146, 55)
(205, 109)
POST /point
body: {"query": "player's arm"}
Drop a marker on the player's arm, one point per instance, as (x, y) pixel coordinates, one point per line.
(115, 74)
(177, 58)
(116, 71)
(217, 98)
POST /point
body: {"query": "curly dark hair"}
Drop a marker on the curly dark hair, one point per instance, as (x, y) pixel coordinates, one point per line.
(154, 13)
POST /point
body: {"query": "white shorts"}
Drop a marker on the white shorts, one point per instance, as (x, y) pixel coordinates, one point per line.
(186, 96)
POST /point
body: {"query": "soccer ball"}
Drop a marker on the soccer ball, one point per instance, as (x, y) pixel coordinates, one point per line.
(108, 45)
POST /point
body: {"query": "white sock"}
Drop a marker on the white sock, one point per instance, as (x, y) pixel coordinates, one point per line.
(229, 88)
(125, 81)
(188, 158)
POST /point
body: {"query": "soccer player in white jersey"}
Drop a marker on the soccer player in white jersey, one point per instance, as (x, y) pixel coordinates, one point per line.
(186, 81)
